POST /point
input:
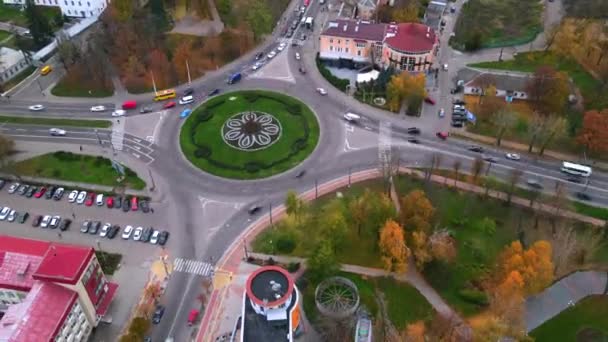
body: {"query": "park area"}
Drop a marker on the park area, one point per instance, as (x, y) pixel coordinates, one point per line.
(71, 167)
(495, 23)
(249, 134)
(587, 321)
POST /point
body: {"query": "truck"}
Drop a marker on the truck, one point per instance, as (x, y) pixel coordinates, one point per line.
(309, 23)
(234, 78)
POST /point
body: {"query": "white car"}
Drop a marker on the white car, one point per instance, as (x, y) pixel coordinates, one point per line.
(186, 99)
(55, 222)
(138, 233)
(119, 112)
(4, 213)
(351, 117)
(45, 221)
(81, 197)
(126, 233)
(11, 216)
(105, 229)
(99, 200)
(441, 112)
(271, 54)
(13, 188)
(98, 108)
(154, 238)
(445, 67)
(257, 65)
(512, 156)
(322, 91)
(297, 56)
(57, 132)
(281, 46)
(72, 196)
(36, 108)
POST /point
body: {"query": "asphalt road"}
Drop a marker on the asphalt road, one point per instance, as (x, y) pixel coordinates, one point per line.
(202, 234)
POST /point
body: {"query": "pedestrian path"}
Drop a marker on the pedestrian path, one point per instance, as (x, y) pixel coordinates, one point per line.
(202, 268)
(118, 135)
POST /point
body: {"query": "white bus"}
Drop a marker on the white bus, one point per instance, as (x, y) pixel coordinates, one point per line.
(576, 169)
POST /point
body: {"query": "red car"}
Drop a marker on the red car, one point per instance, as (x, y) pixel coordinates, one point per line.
(40, 192)
(192, 316)
(442, 135)
(110, 202)
(429, 100)
(169, 104)
(89, 201)
(134, 203)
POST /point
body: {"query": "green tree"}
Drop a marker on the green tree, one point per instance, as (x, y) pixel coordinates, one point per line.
(322, 263)
(224, 7)
(157, 9)
(38, 23)
(478, 165)
(259, 18)
(554, 126)
(7, 146)
(294, 205)
(333, 223)
(124, 9)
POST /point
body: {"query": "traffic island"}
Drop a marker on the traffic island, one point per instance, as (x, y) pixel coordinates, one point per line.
(249, 134)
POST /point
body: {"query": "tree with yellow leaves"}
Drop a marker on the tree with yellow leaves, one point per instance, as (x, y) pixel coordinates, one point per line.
(405, 87)
(534, 265)
(421, 248)
(416, 211)
(507, 299)
(407, 14)
(392, 247)
(414, 332)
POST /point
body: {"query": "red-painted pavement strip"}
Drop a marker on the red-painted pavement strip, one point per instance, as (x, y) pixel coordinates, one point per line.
(235, 253)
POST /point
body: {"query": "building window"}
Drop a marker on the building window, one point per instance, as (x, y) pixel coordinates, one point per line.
(360, 45)
(338, 41)
(72, 3)
(79, 3)
(347, 41)
(89, 4)
(359, 53)
(331, 48)
(346, 50)
(331, 40)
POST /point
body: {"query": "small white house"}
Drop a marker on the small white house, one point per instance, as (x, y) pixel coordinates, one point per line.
(507, 86)
(70, 8)
(12, 62)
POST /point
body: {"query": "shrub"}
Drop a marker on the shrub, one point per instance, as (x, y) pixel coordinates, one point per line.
(298, 145)
(203, 116)
(253, 167)
(294, 109)
(99, 161)
(56, 173)
(339, 83)
(202, 152)
(286, 243)
(293, 267)
(270, 262)
(251, 97)
(474, 296)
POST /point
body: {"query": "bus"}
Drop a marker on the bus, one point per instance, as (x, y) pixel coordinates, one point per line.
(576, 169)
(164, 95)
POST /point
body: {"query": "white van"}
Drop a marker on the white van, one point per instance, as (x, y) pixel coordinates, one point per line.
(352, 117)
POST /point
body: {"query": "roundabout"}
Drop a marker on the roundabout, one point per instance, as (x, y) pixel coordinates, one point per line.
(249, 134)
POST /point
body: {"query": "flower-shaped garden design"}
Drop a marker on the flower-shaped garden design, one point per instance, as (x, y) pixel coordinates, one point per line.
(251, 131)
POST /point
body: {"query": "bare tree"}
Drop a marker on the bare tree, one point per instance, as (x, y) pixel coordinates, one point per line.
(7, 147)
(514, 177)
(478, 165)
(68, 51)
(457, 165)
(565, 243)
(503, 121)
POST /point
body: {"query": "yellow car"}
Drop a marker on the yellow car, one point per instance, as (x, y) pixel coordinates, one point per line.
(46, 70)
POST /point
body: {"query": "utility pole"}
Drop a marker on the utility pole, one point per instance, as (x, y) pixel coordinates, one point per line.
(152, 179)
(153, 82)
(188, 70)
(316, 189)
(270, 213)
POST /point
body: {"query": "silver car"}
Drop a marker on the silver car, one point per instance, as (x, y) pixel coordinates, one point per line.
(4, 213)
(81, 197)
(138, 233)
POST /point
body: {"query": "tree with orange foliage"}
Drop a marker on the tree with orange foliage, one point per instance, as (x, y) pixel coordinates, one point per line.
(421, 248)
(442, 246)
(594, 132)
(181, 57)
(414, 332)
(416, 211)
(507, 299)
(405, 86)
(392, 247)
(534, 265)
(159, 65)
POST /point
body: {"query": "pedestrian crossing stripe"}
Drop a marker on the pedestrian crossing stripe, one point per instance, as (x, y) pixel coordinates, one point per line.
(192, 266)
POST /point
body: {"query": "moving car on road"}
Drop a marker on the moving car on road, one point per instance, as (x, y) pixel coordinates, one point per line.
(98, 108)
(119, 112)
(533, 183)
(57, 132)
(158, 314)
(512, 156)
(145, 110)
(441, 112)
(442, 135)
(429, 100)
(413, 130)
(186, 99)
(214, 92)
(475, 148)
(489, 159)
(322, 91)
(36, 108)
(352, 117)
(169, 104)
(413, 140)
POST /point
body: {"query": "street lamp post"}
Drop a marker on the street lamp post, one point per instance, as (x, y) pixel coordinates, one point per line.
(270, 213)
(188, 71)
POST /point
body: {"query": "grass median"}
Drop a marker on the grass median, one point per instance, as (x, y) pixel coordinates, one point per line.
(78, 168)
(55, 122)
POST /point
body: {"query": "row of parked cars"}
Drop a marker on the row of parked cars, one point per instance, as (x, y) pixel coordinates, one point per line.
(110, 231)
(78, 197)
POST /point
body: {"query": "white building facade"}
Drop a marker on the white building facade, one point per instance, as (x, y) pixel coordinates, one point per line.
(70, 8)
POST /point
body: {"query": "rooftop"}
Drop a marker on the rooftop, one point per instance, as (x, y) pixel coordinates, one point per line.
(356, 29)
(9, 57)
(514, 82)
(412, 37)
(16, 270)
(39, 316)
(54, 261)
(269, 286)
(258, 328)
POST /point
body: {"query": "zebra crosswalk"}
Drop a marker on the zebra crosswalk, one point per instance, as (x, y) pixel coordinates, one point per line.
(192, 266)
(118, 133)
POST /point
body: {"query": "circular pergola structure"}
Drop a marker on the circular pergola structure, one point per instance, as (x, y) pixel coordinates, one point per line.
(337, 297)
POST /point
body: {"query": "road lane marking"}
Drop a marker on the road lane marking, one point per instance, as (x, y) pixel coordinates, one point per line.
(135, 155)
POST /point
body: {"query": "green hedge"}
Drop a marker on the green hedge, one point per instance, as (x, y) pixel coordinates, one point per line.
(337, 82)
(474, 296)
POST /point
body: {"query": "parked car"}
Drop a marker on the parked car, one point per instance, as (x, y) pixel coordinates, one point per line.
(302, 70)
(36, 221)
(22, 217)
(12, 215)
(86, 225)
(113, 231)
(138, 233)
(163, 237)
(57, 132)
(259, 56)
(50, 192)
(45, 221)
(55, 222)
(72, 196)
(145, 237)
(125, 205)
(213, 92)
(94, 227)
(13, 188)
(254, 209)
(2, 183)
(158, 314)
(110, 202)
(118, 202)
(413, 130)
(441, 112)
(81, 197)
(22, 189)
(58, 194)
(126, 233)
(89, 200)
(322, 91)
(105, 229)
(65, 224)
(99, 200)
(154, 237)
(134, 203)
(40, 192)
(30, 192)
(271, 54)
(429, 100)
(583, 196)
(144, 205)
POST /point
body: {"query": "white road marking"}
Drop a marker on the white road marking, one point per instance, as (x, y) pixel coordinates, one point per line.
(135, 155)
(198, 267)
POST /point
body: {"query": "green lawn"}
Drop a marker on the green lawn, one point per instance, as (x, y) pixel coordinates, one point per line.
(13, 14)
(55, 122)
(72, 167)
(405, 305)
(65, 88)
(587, 321)
(202, 139)
(4, 35)
(530, 61)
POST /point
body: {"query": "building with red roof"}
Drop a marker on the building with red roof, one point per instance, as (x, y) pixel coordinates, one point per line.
(50, 291)
(406, 46)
